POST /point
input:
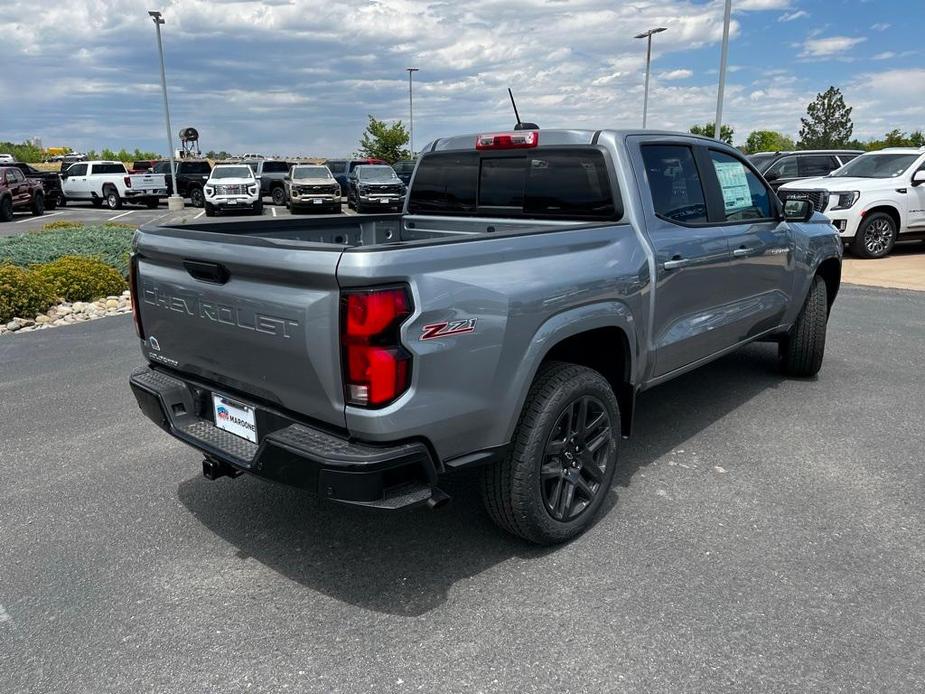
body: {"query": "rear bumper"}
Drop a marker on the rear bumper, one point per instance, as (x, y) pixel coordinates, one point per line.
(289, 451)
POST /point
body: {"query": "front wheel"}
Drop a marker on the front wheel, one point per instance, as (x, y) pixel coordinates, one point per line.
(559, 470)
(802, 349)
(258, 207)
(876, 236)
(196, 197)
(6, 209)
(278, 195)
(210, 210)
(38, 205)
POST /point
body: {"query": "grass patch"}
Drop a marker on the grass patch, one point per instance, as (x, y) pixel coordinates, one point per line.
(111, 244)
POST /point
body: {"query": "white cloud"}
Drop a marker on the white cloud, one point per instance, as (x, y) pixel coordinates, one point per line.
(680, 74)
(762, 5)
(881, 26)
(830, 46)
(791, 16)
(886, 55)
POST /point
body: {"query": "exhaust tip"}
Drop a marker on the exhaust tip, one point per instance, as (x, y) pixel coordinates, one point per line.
(438, 499)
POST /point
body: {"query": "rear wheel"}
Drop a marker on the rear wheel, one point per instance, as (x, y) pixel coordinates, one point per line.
(62, 201)
(196, 197)
(559, 470)
(151, 203)
(38, 205)
(6, 209)
(51, 202)
(802, 349)
(113, 201)
(876, 236)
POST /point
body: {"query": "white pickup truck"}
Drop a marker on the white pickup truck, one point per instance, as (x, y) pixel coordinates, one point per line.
(109, 183)
(874, 200)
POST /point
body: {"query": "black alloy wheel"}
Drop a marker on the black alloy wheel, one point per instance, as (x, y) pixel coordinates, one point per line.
(576, 458)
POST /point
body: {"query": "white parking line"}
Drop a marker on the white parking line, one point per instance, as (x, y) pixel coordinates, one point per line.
(124, 214)
(199, 215)
(273, 210)
(30, 219)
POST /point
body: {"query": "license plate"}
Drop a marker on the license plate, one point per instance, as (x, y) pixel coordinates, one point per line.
(235, 417)
(232, 202)
(384, 201)
(316, 202)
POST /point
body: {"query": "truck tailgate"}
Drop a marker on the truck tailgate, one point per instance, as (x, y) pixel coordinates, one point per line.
(247, 314)
(146, 181)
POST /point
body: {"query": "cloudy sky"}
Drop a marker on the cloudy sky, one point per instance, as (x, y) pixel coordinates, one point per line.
(299, 76)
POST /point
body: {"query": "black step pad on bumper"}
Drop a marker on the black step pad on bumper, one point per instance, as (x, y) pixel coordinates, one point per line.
(293, 452)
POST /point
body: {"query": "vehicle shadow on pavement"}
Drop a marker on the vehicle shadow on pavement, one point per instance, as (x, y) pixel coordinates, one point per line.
(405, 563)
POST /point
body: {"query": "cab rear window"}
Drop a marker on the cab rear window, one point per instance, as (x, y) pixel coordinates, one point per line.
(542, 184)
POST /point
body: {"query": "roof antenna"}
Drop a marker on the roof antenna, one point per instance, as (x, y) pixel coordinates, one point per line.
(520, 124)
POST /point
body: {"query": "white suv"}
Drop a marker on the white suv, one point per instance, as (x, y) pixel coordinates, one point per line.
(873, 201)
(232, 187)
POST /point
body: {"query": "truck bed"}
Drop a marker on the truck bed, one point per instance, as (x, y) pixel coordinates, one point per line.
(351, 231)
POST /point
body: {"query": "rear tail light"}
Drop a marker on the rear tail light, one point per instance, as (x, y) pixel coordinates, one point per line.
(128, 181)
(516, 140)
(133, 288)
(376, 368)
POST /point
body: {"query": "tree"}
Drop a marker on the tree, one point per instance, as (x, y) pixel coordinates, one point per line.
(827, 124)
(767, 141)
(707, 130)
(383, 141)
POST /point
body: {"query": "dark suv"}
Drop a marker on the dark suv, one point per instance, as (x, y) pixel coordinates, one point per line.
(779, 168)
(342, 168)
(404, 169)
(191, 177)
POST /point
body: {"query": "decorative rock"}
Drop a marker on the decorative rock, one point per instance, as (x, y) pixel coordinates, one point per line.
(112, 303)
(25, 322)
(13, 326)
(42, 319)
(78, 306)
(63, 311)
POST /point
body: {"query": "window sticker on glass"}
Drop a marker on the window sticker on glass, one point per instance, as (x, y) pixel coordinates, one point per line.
(734, 182)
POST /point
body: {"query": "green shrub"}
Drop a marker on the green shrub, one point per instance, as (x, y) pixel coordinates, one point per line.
(61, 224)
(110, 244)
(23, 293)
(77, 278)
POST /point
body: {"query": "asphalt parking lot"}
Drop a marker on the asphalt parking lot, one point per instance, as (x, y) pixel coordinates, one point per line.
(129, 214)
(763, 534)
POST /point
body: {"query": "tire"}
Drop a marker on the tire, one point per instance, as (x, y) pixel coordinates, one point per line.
(113, 201)
(6, 209)
(210, 210)
(97, 202)
(876, 236)
(802, 349)
(295, 209)
(38, 205)
(62, 201)
(196, 198)
(278, 195)
(51, 202)
(526, 492)
(152, 203)
(258, 207)
(350, 204)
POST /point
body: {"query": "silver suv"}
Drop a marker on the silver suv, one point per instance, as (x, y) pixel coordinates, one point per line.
(312, 187)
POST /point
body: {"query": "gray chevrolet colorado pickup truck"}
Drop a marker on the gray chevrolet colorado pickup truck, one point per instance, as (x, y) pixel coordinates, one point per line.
(534, 284)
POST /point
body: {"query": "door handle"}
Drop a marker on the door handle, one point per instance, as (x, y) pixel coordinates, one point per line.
(675, 263)
(740, 252)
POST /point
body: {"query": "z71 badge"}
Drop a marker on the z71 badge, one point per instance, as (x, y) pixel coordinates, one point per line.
(453, 327)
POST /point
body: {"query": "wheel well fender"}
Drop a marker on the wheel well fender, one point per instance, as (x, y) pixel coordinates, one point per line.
(890, 210)
(601, 336)
(830, 272)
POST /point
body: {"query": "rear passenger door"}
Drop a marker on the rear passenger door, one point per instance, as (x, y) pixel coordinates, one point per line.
(784, 170)
(815, 165)
(692, 260)
(760, 241)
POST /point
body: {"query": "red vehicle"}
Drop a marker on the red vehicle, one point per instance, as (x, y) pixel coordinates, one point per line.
(142, 166)
(19, 193)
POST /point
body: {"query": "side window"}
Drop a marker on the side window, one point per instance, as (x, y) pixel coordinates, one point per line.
(845, 158)
(817, 165)
(17, 176)
(677, 191)
(162, 167)
(77, 170)
(8, 177)
(785, 168)
(744, 195)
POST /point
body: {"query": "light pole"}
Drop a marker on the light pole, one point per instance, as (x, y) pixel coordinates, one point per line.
(722, 72)
(411, 71)
(174, 202)
(645, 98)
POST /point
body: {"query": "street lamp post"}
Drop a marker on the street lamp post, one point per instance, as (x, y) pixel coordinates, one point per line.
(411, 71)
(722, 72)
(645, 98)
(174, 202)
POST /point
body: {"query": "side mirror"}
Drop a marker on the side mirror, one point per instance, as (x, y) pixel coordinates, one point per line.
(771, 176)
(798, 210)
(286, 178)
(918, 178)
